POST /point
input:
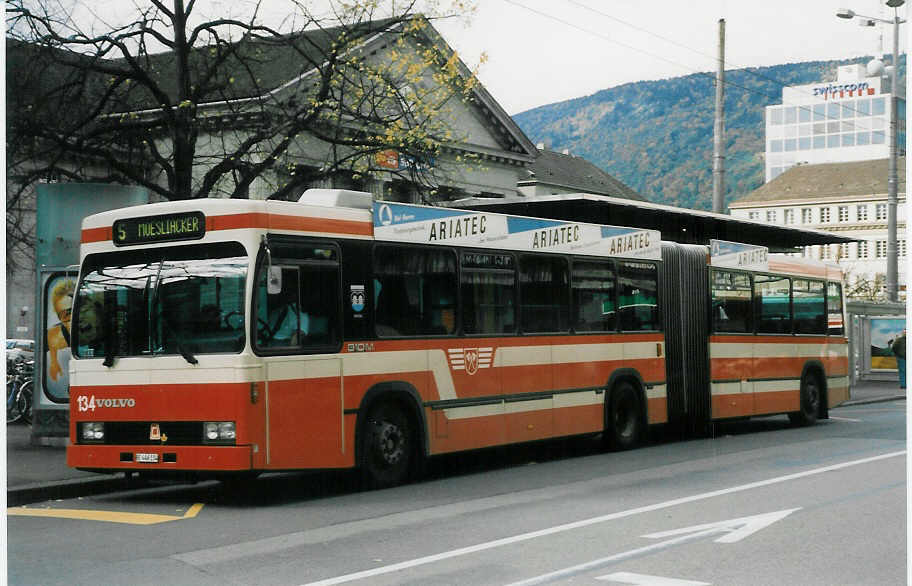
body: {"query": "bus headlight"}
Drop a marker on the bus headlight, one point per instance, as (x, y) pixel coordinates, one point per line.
(92, 431)
(219, 432)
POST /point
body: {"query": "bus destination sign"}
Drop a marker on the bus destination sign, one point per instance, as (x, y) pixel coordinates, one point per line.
(164, 228)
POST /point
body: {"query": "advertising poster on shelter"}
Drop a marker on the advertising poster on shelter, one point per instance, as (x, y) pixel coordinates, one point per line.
(59, 291)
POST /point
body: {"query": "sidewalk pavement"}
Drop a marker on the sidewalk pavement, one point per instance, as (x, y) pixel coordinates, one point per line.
(37, 473)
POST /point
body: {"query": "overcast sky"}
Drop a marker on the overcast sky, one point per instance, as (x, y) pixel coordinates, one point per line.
(544, 51)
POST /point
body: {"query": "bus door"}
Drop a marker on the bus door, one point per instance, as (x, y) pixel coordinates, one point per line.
(732, 344)
(297, 304)
(777, 364)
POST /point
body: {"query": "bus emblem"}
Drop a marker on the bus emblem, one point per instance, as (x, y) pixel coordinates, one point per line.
(154, 432)
(470, 359)
(357, 298)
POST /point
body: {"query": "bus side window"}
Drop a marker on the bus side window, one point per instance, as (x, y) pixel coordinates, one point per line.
(638, 296)
(488, 284)
(809, 307)
(414, 291)
(543, 293)
(731, 302)
(594, 296)
(834, 309)
(772, 303)
(279, 313)
(298, 301)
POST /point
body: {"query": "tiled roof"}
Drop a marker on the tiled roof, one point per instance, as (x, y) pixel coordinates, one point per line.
(825, 181)
(577, 174)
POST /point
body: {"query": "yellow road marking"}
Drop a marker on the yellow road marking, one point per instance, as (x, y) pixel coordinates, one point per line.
(105, 516)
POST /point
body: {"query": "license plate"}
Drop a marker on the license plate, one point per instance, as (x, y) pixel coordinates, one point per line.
(148, 458)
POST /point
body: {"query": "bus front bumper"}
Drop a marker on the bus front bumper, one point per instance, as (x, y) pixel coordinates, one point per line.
(159, 458)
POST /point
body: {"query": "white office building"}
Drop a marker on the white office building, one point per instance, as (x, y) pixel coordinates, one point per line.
(832, 122)
(827, 151)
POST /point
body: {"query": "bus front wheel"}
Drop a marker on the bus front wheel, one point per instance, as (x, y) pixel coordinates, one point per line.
(388, 447)
(624, 424)
(810, 401)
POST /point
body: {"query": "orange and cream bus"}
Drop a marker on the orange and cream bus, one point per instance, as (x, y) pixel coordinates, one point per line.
(228, 336)
(751, 333)
(222, 337)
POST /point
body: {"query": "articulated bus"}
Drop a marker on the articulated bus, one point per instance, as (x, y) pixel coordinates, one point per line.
(225, 338)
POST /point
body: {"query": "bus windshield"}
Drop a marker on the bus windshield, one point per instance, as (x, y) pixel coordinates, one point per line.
(185, 300)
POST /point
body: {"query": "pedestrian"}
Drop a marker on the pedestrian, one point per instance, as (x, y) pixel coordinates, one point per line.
(898, 347)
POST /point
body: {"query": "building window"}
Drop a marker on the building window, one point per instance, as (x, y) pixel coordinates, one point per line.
(880, 211)
(881, 251)
(819, 112)
(806, 217)
(825, 252)
(843, 213)
(878, 106)
(775, 115)
(862, 211)
(791, 115)
(789, 216)
(843, 251)
(902, 247)
(770, 215)
(753, 215)
(824, 215)
(862, 249)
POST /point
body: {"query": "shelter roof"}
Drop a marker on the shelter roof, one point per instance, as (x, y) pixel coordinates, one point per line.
(676, 224)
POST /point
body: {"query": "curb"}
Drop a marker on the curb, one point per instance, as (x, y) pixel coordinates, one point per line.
(884, 399)
(62, 489)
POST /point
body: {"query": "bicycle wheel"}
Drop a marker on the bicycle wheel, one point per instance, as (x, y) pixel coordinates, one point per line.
(24, 400)
(13, 413)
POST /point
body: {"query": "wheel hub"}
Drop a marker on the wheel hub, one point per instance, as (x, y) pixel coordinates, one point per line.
(390, 443)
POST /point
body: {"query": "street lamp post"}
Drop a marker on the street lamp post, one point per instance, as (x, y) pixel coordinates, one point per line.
(892, 266)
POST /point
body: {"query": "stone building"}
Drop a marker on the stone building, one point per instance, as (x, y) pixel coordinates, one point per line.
(487, 155)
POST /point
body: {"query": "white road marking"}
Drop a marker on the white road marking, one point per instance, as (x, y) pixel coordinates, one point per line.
(647, 580)
(846, 419)
(592, 521)
(733, 529)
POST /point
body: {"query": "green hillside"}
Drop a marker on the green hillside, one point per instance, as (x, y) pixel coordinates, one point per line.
(657, 136)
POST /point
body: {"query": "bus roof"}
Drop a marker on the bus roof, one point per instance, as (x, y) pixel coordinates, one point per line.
(321, 213)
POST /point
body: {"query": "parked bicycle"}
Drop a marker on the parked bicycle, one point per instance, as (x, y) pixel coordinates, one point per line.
(19, 383)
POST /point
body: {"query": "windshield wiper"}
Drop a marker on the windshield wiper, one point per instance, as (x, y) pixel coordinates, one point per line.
(181, 347)
(109, 344)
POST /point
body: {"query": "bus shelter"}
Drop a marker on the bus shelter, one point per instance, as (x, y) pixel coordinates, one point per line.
(681, 225)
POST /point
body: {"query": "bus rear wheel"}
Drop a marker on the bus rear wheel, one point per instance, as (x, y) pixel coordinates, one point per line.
(624, 424)
(810, 401)
(388, 447)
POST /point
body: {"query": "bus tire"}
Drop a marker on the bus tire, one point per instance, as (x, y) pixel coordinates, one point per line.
(624, 425)
(388, 449)
(810, 401)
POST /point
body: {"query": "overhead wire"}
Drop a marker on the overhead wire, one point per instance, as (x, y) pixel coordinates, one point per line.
(730, 64)
(660, 57)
